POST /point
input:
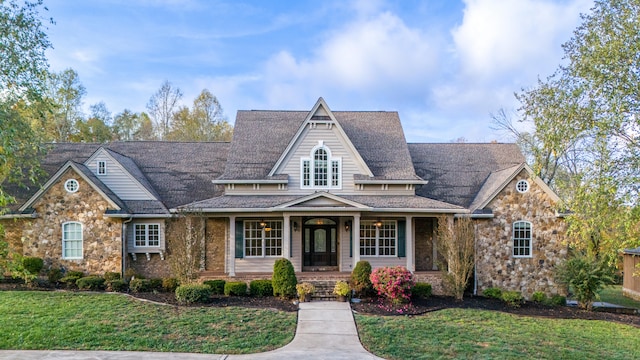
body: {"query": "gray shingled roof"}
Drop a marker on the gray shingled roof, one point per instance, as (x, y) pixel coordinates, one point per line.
(260, 137)
(271, 201)
(178, 172)
(456, 172)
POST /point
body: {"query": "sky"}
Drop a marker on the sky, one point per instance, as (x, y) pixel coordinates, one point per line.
(444, 65)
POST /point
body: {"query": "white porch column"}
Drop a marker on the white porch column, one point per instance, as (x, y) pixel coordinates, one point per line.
(409, 244)
(355, 246)
(286, 236)
(232, 246)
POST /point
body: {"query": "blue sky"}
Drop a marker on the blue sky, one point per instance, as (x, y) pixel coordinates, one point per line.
(444, 65)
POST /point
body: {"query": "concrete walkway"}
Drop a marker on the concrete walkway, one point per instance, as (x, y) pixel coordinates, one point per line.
(326, 330)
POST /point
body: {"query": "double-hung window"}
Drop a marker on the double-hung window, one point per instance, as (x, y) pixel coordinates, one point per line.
(146, 235)
(262, 238)
(72, 240)
(378, 238)
(522, 239)
(102, 167)
(320, 170)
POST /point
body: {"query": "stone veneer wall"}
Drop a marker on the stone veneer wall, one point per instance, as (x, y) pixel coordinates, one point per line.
(424, 244)
(102, 241)
(216, 234)
(496, 266)
(12, 233)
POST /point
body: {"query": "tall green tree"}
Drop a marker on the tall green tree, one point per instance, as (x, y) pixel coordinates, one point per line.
(204, 122)
(129, 126)
(586, 121)
(65, 94)
(96, 128)
(23, 69)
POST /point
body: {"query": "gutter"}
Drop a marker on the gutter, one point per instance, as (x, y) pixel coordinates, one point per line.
(19, 216)
(328, 209)
(138, 216)
(123, 236)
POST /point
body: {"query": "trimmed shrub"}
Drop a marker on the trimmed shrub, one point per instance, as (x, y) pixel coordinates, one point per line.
(139, 285)
(32, 264)
(110, 276)
(116, 285)
(421, 290)
(237, 288)
(261, 288)
(91, 282)
(170, 284)
(284, 279)
(155, 284)
(131, 274)
(54, 275)
(539, 297)
(70, 278)
(558, 300)
(394, 283)
(512, 298)
(192, 293)
(361, 278)
(217, 286)
(493, 293)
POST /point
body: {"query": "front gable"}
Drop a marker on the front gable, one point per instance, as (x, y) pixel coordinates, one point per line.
(320, 131)
(64, 174)
(322, 200)
(115, 175)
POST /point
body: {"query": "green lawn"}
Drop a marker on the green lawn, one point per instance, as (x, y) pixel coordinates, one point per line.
(479, 334)
(613, 295)
(66, 320)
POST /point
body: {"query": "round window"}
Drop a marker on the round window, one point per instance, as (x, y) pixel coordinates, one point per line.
(71, 185)
(522, 186)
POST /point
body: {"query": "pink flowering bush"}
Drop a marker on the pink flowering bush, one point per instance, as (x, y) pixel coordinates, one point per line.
(394, 283)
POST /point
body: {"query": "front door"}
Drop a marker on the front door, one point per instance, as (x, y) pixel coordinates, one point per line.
(320, 243)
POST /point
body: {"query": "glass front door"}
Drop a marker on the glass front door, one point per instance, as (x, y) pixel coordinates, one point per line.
(320, 242)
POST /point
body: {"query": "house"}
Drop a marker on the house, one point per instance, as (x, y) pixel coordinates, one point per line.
(322, 188)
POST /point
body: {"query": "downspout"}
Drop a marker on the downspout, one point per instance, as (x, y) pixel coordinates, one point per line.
(475, 259)
(124, 246)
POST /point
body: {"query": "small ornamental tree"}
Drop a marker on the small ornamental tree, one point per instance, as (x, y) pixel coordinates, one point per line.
(456, 246)
(394, 283)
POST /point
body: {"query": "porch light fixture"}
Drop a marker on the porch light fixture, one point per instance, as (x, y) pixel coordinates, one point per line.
(378, 223)
(263, 224)
(295, 226)
(347, 225)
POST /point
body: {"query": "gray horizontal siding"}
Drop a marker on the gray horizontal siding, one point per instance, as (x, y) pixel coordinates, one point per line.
(118, 180)
(131, 248)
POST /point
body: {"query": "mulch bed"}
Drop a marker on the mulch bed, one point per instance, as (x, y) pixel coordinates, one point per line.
(435, 303)
(373, 306)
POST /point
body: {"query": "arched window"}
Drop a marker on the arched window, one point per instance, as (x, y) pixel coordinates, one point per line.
(320, 170)
(522, 239)
(72, 240)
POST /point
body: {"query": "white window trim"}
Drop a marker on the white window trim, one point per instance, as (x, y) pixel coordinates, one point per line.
(263, 240)
(64, 241)
(98, 167)
(377, 247)
(66, 186)
(527, 186)
(513, 237)
(330, 160)
(146, 235)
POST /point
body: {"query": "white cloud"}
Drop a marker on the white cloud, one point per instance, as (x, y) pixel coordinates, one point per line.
(371, 55)
(508, 36)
